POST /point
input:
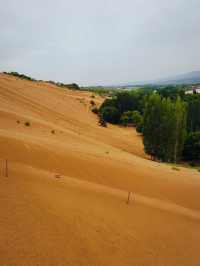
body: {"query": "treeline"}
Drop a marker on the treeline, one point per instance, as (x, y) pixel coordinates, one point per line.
(72, 86)
(125, 108)
(168, 119)
(22, 76)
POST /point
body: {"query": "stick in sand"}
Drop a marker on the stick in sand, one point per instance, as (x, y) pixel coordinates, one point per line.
(129, 197)
(6, 168)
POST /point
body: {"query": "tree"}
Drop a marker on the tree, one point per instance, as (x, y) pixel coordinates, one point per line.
(152, 121)
(131, 117)
(180, 128)
(110, 114)
(193, 119)
(164, 128)
(191, 150)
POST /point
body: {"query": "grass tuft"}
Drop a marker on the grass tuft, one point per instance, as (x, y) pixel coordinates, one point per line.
(175, 168)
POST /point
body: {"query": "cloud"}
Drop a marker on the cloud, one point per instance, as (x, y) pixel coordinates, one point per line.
(107, 41)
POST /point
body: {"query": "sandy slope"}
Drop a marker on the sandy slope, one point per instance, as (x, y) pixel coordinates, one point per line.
(82, 218)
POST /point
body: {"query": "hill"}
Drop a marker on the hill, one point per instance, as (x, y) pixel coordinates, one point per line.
(183, 79)
(64, 200)
(188, 78)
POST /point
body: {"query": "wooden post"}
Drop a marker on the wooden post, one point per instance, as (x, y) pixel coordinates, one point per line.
(6, 169)
(129, 197)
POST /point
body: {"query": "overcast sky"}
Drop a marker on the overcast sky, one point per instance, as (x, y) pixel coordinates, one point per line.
(99, 41)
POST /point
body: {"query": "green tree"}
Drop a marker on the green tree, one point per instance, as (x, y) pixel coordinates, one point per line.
(193, 119)
(151, 128)
(180, 128)
(164, 128)
(131, 117)
(192, 147)
(110, 114)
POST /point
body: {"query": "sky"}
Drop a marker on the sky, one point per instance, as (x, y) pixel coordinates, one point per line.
(100, 42)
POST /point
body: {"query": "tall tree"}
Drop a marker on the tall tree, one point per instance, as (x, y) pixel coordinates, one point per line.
(152, 121)
(164, 128)
(180, 128)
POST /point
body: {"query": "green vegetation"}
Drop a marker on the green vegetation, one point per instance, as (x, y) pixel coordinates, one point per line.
(168, 119)
(193, 122)
(192, 147)
(95, 110)
(133, 118)
(102, 122)
(72, 86)
(110, 114)
(175, 168)
(120, 109)
(164, 128)
(22, 76)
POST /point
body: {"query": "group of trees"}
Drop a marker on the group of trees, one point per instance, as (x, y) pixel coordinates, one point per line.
(168, 119)
(124, 108)
(164, 128)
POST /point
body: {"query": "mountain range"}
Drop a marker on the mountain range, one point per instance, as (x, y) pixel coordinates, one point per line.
(187, 78)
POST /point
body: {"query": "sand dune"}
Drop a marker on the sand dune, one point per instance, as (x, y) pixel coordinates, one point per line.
(81, 218)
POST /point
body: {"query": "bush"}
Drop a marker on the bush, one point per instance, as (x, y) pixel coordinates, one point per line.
(95, 110)
(131, 118)
(175, 168)
(110, 114)
(22, 76)
(139, 126)
(27, 124)
(102, 122)
(191, 150)
(92, 102)
(53, 131)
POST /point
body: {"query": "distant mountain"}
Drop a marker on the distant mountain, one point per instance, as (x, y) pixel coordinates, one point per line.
(188, 78)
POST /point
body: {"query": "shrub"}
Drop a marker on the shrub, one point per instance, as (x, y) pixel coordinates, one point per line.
(27, 124)
(22, 76)
(175, 168)
(110, 114)
(102, 122)
(18, 122)
(139, 127)
(192, 164)
(53, 131)
(92, 102)
(131, 117)
(95, 110)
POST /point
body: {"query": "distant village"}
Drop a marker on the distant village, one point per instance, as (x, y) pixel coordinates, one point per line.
(193, 89)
